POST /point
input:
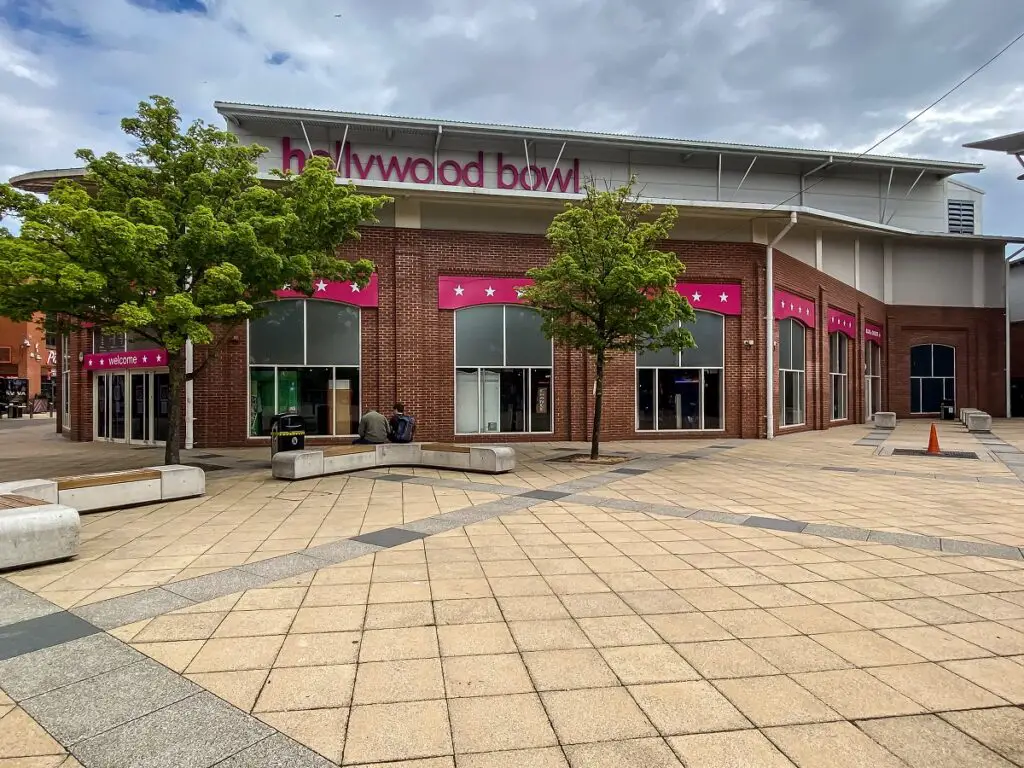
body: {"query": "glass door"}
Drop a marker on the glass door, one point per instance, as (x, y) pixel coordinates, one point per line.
(161, 393)
(141, 407)
(118, 405)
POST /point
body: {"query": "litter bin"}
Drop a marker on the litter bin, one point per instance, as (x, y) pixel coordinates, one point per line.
(948, 410)
(287, 433)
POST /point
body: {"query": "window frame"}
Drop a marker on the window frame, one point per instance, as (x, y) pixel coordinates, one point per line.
(919, 380)
(839, 358)
(65, 381)
(680, 367)
(333, 367)
(798, 373)
(872, 376)
(527, 377)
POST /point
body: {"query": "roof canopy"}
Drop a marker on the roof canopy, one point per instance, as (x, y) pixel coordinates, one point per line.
(1011, 144)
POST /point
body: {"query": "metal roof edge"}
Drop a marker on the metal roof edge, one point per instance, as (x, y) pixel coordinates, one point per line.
(236, 109)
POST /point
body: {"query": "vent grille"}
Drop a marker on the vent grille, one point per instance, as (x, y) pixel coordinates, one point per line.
(5, 354)
(960, 216)
(941, 455)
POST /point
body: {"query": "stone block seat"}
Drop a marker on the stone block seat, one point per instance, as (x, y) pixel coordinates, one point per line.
(35, 531)
(885, 420)
(977, 421)
(335, 459)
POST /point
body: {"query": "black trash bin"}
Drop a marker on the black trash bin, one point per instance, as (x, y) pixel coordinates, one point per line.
(948, 410)
(287, 433)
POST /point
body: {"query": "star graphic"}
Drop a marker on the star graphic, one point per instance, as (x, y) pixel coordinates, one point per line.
(696, 296)
(158, 358)
(723, 297)
(791, 307)
(782, 303)
(519, 293)
(286, 287)
(321, 287)
(459, 290)
(89, 363)
(101, 361)
(145, 359)
(489, 291)
(355, 288)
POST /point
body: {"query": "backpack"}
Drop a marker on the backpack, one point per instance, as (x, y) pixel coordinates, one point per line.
(405, 427)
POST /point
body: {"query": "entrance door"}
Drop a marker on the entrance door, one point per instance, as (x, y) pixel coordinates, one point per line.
(141, 411)
(161, 392)
(112, 406)
(132, 407)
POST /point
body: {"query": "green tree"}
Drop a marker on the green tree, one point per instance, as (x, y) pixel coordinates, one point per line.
(176, 240)
(608, 288)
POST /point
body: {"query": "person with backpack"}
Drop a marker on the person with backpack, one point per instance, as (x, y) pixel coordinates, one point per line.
(403, 426)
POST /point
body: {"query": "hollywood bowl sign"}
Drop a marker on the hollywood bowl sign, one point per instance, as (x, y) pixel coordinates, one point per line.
(417, 169)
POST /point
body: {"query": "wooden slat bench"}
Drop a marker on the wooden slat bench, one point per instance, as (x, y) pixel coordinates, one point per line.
(316, 462)
(73, 482)
(14, 501)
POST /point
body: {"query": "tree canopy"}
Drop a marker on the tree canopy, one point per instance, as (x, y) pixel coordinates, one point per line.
(176, 238)
(608, 287)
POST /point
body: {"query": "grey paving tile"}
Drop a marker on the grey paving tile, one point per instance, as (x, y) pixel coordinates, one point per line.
(669, 509)
(277, 751)
(196, 732)
(500, 490)
(17, 604)
(340, 551)
(980, 549)
(226, 582)
(841, 469)
(774, 524)
(97, 704)
(389, 537)
(836, 531)
(42, 632)
(395, 477)
(127, 609)
(544, 495)
(282, 567)
(718, 517)
(904, 539)
(630, 471)
(431, 525)
(42, 671)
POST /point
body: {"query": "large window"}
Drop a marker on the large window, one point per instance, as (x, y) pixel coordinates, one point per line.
(838, 374)
(792, 364)
(677, 391)
(304, 358)
(873, 378)
(118, 341)
(932, 377)
(502, 371)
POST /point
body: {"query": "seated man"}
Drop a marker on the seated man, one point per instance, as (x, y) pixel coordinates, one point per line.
(373, 429)
(403, 426)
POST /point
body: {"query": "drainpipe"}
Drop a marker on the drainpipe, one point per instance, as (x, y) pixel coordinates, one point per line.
(189, 397)
(1006, 321)
(769, 325)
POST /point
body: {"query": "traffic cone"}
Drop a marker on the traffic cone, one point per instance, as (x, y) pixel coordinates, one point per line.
(933, 443)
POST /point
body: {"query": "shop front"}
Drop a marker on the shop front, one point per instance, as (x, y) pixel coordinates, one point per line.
(131, 396)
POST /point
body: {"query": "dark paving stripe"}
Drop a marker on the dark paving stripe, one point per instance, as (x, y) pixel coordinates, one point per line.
(544, 495)
(841, 469)
(774, 524)
(42, 632)
(389, 537)
(394, 477)
(630, 471)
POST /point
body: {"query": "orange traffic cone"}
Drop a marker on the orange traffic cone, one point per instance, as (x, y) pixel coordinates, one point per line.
(933, 442)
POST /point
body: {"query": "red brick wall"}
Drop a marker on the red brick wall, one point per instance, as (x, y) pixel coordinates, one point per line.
(408, 349)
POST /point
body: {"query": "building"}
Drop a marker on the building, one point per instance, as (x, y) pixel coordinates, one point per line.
(869, 275)
(27, 354)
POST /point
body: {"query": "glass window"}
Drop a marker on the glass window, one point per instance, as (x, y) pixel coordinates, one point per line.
(503, 375)
(873, 378)
(304, 358)
(65, 381)
(837, 368)
(932, 377)
(791, 371)
(684, 391)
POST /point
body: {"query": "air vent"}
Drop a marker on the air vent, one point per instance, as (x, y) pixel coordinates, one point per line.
(5, 354)
(960, 216)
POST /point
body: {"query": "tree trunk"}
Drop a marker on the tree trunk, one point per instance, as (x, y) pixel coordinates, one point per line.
(176, 370)
(595, 437)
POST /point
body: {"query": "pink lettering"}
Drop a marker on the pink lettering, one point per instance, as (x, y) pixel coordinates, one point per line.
(427, 167)
(505, 168)
(393, 168)
(362, 171)
(288, 153)
(478, 167)
(449, 166)
(557, 180)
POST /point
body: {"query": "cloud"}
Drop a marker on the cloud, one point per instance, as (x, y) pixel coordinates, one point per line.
(826, 75)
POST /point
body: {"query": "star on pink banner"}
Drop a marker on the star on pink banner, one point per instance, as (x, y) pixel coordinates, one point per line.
(841, 321)
(723, 298)
(873, 332)
(136, 358)
(344, 293)
(790, 305)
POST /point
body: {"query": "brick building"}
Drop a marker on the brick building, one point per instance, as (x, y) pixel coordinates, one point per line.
(27, 352)
(868, 274)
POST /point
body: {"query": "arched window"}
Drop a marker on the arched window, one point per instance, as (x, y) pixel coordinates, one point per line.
(684, 391)
(792, 363)
(838, 359)
(304, 357)
(502, 371)
(873, 377)
(932, 377)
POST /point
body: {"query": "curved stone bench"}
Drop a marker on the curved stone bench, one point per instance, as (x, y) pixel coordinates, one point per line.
(33, 531)
(336, 459)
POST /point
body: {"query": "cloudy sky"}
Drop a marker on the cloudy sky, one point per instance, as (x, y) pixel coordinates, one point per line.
(824, 74)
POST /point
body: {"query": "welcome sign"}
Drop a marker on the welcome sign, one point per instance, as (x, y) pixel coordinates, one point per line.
(479, 170)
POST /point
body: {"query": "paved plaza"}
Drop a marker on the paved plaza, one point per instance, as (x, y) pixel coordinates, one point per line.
(822, 600)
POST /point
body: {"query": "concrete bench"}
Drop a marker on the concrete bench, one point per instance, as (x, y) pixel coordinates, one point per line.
(109, 490)
(885, 420)
(332, 460)
(978, 421)
(34, 531)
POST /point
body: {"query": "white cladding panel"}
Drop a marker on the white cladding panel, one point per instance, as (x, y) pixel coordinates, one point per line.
(1017, 294)
(925, 275)
(995, 278)
(872, 268)
(800, 244)
(837, 252)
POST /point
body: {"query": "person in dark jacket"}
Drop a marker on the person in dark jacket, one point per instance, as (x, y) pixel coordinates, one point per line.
(373, 429)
